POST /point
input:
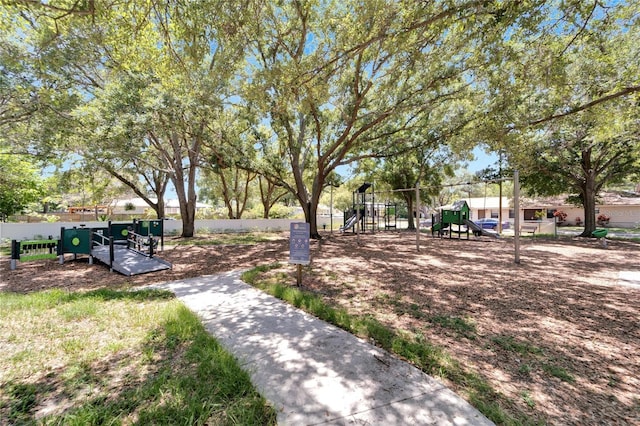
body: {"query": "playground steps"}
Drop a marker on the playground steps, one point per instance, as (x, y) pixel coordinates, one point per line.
(129, 262)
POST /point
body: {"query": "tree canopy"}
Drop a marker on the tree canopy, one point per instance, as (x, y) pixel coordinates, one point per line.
(290, 92)
(20, 185)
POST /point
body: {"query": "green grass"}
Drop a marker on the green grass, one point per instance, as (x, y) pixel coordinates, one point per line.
(117, 357)
(558, 372)
(462, 326)
(534, 355)
(225, 239)
(526, 397)
(510, 344)
(431, 359)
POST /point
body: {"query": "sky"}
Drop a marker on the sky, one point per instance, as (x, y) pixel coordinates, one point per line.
(482, 160)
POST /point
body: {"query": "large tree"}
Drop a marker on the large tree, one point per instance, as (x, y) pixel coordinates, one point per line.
(582, 154)
(342, 81)
(562, 99)
(182, 57)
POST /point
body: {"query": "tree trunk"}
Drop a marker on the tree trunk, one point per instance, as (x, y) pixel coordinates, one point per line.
(268, 195)
(265, 197)
(187, 210)
(588, 195)
(186, 196)
(411, 223)
(160, 207)
(589, 204)
(310, 207)
(312, 220)
(187, 201)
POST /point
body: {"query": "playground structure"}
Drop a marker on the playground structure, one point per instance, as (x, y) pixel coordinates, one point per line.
(455, 219)
(451, 219)
(367, 212)
(127, 248)
(365, 216)
(33, 250)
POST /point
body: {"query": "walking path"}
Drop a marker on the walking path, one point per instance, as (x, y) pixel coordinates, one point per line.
(629, 278)
(312, 372)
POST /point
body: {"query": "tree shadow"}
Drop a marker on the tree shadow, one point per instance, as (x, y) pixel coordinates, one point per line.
(177, 372)
(563, 300)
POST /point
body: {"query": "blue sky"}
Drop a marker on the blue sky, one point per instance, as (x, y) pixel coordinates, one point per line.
(482, 161)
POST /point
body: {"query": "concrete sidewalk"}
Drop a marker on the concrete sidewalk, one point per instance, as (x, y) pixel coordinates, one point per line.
(314, 373)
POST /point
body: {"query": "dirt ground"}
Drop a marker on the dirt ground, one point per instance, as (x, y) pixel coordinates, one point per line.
(557, 334)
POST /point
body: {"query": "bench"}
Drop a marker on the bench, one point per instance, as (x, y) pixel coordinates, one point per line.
(530, 229)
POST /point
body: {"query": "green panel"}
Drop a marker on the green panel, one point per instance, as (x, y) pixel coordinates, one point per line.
(156, 227)
(450, 216)
(120, 231)
(77, 241)
(143, 227)
(150, 227)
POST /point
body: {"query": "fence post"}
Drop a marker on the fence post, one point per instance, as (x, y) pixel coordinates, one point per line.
(90, 246)
(111, 253)
(61, 246)
(15, 254)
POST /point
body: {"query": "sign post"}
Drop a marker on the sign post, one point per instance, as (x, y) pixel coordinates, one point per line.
(299, 247)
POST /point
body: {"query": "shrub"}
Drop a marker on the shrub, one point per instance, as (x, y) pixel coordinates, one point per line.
(560, 215)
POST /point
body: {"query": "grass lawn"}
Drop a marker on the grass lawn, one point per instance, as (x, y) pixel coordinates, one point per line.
(117, 357)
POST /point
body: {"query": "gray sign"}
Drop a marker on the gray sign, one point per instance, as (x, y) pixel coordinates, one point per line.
(299, 243)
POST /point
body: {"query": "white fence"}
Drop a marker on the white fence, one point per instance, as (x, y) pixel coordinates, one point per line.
(28, 231)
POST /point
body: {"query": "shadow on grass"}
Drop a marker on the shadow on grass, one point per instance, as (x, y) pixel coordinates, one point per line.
(177, 375)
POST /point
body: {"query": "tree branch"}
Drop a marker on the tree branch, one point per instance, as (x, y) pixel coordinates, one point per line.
(76, 9)
(620, 93)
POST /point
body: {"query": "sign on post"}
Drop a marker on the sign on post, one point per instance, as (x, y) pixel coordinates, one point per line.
(299, 243)
(299, 246)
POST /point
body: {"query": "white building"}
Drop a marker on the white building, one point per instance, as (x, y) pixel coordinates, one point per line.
(622, 208)
(137, 206)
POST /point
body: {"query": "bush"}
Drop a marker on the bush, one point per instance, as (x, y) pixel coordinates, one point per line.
(560, 215)
(279, 211)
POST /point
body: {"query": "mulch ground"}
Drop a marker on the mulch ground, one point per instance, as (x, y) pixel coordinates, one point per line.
(556, 333)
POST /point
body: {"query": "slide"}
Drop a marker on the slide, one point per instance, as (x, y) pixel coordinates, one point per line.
(479, 230)
(350, 222)
(441, 230)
